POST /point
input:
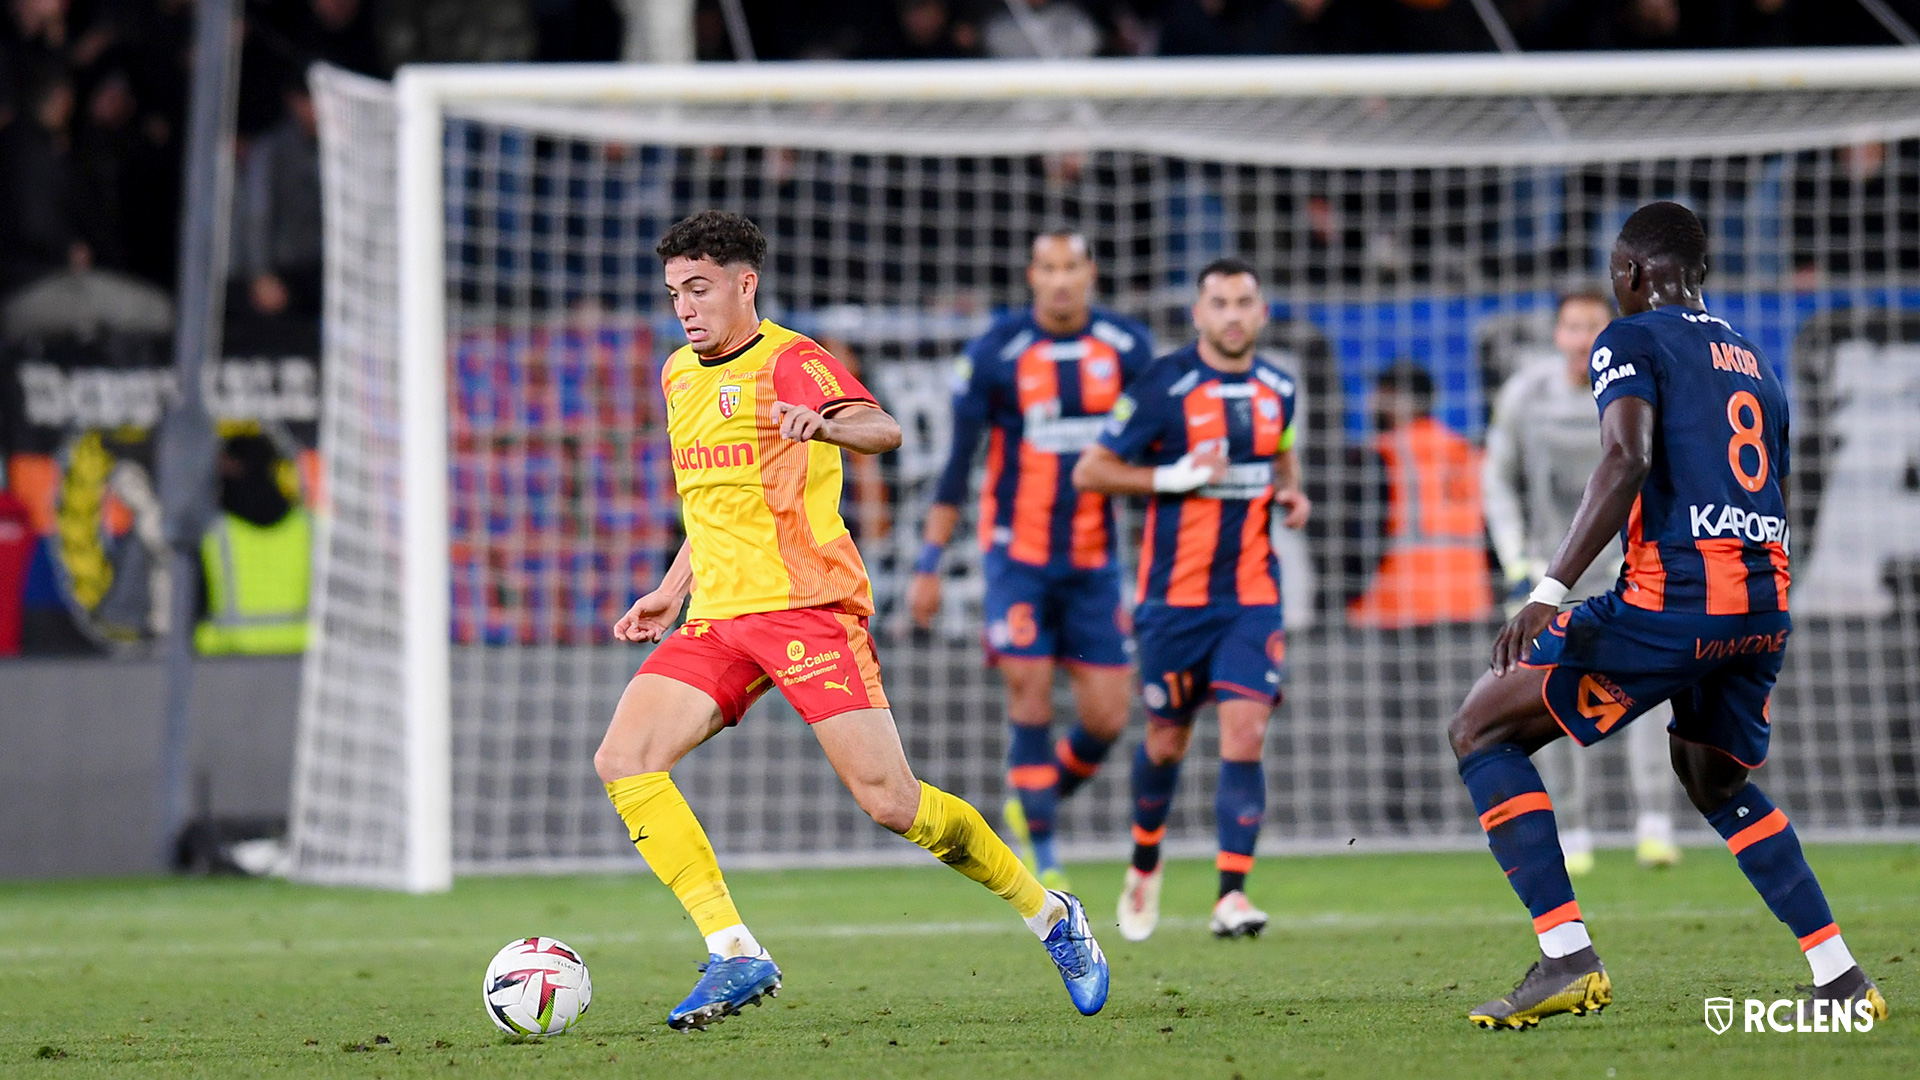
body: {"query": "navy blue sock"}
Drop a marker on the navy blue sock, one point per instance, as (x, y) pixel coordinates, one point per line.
(1763, 842)
(1518, 818)
(1238, 805)
(1033, 777)
(1152, 798)
(1079, 756)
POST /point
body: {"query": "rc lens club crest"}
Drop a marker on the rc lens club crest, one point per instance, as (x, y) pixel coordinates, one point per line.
(1719, 1014)
(729, 399)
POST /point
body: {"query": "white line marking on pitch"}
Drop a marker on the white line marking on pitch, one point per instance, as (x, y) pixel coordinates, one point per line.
(775, 933)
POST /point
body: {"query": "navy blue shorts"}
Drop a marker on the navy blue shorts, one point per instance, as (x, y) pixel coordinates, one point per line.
(1042, 613)
(1609, 662)
(1190, 655)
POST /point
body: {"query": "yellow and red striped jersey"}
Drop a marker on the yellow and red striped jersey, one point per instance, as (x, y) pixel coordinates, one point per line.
(762, 513)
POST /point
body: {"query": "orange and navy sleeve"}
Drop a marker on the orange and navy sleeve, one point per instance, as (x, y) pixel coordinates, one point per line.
(970, 414)
(806, 374)
(1136, 361)
(1139, 418)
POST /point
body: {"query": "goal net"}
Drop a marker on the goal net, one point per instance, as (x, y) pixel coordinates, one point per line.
(498, 487)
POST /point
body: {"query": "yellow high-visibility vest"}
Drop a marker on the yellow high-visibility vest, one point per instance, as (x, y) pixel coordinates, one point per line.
(257, 581)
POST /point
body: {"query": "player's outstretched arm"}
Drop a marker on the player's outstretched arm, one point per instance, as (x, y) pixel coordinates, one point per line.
(652, 615)
(943, 517)
(923, 595)
(863, 429)
(1100, 469)
(1626, 439)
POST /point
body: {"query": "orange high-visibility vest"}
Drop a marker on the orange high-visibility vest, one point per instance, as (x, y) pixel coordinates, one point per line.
(1435, 569)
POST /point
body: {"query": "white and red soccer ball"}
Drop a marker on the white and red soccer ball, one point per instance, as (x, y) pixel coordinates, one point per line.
(536, 986)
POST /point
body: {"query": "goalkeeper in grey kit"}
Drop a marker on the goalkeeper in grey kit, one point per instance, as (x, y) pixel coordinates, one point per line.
(1542, 444)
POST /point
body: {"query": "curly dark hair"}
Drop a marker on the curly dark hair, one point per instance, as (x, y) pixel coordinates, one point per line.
(1666, 230)
(720, 235)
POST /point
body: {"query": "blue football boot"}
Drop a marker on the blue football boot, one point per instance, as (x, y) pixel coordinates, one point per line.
(1083, 967)
(727, 986)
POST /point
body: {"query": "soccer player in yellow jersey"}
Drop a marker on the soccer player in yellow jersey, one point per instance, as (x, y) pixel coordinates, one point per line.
(758, 416)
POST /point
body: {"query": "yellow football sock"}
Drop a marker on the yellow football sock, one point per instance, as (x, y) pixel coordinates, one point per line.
(956, 834)
(670, 838)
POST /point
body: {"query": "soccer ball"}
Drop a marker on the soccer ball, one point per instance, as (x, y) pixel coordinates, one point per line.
(536, 986)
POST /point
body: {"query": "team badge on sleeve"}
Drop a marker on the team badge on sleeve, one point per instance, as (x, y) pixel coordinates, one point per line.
(729, 400)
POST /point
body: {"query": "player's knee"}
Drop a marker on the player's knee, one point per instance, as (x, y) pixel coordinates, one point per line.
(1029, 692)
(1709, 780)
(1466, 733)
(613, 765)
(616, 761)
(1167, 742)
(1243, 730)
(892, 806)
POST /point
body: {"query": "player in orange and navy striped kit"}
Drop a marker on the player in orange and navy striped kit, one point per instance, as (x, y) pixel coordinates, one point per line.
(1038, 385)
(1693, 421)
(1208, 434)
(758, 417)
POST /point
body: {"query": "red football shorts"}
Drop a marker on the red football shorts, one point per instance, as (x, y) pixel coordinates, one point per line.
(822, 660)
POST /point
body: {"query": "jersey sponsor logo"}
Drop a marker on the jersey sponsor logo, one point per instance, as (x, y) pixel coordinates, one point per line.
(812, 667)
(795, 650)
(1601, 700)
(1230, 391)
(1185, 383)
(1248, 480)
(1602, 356)
(1608, 378)
(682, 383)
(1735, 359)
(1734, 521)
(1061, 434)
(697, 456)
(823, 377)
(1721, 648)
(729, 400)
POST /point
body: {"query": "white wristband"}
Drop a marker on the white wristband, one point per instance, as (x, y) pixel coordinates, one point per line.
(1183, 475)
(1550, 591)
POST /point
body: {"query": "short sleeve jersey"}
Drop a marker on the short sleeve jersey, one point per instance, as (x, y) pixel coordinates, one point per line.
(1708, 532)
(762, 513)
(1042, 400)
(1210, 546)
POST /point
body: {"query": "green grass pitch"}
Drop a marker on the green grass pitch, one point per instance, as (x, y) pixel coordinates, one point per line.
(914, 972)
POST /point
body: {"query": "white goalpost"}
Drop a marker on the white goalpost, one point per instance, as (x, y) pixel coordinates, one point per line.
(497, 489)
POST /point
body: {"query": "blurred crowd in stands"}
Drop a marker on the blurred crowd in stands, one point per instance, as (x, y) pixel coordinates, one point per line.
(93, 93)
(93, 104)
(946, 29)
